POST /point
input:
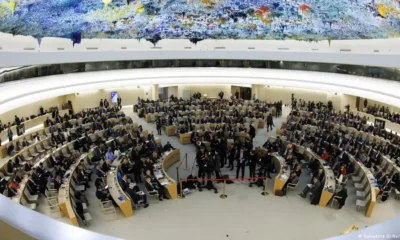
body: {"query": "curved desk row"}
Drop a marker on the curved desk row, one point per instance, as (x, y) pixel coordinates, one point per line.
(282, 169)
(168, 159)
(46, 132)
(29, 124)
(372, 184)
(39, 147)
(64, 198)
(395, 127)
(185, 138)
(329, 180)
(120, 197)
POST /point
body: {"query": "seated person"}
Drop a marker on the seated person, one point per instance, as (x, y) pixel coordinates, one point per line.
(106, 166)
(293, 179)
(193, 182)
(168, 147)
(99, 171)
(385, 188)
(137, 195)
(312, 188)
(151, 186)
(343, 194)
(110, 155)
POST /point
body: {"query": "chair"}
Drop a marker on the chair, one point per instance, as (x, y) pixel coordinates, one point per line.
(397, 192)
(46, 145)
(32, 152)
(26, 156)
(362, 203)
(291, 186)
(379, 198)
(362, 194)
(31, 206)
(31, 198)
(50, 194)
(107, 208)
(335, 199)
(361, 185)
(153, 193)
(54, 207)
(39, 149)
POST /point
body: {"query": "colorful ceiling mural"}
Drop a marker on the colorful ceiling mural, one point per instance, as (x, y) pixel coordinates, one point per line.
(308, 20)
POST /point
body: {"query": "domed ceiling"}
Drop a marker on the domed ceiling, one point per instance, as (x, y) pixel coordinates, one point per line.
(195, 20)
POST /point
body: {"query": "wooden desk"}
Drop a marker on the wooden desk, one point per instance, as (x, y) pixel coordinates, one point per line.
(170, 131)
(147, 117)
(184, 138)
(283, 172)
(261, 123)
(64, 198)
(170, 159)
(329, 182)
(279, 163)
(116, 191)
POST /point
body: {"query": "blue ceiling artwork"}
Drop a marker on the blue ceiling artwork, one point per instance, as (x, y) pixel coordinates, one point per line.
(195, 20)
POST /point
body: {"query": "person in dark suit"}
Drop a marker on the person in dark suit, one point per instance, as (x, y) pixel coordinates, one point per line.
(253, 160)
(343, 194)
(241, 162)
(57, 182)
(124, 183)
(252, 132)
(150, 186)
(231, 155)
(159, 126)
(385, 188)
(137, 195)
(99, 172)
(106, 165)
(312, 188)
(168, 147)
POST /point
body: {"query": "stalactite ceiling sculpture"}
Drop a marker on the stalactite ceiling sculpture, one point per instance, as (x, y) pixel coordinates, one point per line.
(195, 20)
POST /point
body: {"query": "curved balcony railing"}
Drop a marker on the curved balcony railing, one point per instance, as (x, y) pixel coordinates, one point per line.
(26, 72)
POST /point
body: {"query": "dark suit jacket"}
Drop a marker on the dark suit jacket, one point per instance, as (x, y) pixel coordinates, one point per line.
(124, 185)
(100, 173)
(149, 186)
(105, 167)
(238, 157)
(315, 187)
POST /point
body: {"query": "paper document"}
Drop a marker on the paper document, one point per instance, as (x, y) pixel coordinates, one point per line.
(309, 185)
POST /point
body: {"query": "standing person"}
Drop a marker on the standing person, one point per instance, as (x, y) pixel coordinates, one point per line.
(101, 103)
(119, 100)
(270, 122)
(10, 134)
(231, 155)
(223, 145)
(201, 161)
(217, 164)
(241, 162)
(158, 125)
(237, 94)
(252, 164)
(267, 164)
(221, 95)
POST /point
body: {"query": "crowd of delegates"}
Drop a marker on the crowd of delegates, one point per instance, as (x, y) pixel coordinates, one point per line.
(105, 104)
(215, 114)
(59, 127)
(59, 165)
(381, 111)
(334, 145)
(137, 167)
